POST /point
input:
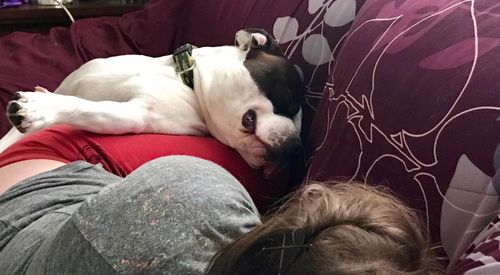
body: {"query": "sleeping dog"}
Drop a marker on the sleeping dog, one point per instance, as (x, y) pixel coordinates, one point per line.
(248, 96)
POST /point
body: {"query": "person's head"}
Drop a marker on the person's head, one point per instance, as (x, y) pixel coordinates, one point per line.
(335, 228)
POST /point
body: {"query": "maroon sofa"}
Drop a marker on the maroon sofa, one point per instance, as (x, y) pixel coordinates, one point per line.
(401, 93)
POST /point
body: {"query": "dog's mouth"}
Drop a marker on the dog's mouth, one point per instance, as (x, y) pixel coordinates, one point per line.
(272, 156)
(263, 156)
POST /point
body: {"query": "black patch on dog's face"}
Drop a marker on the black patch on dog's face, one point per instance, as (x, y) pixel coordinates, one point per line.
(275, 75)
(277, 79)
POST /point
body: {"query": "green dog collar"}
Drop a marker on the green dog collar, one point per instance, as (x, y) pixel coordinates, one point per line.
(185, 64)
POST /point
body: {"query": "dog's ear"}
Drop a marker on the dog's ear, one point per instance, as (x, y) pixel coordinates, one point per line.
(278, 79)
(257, 39)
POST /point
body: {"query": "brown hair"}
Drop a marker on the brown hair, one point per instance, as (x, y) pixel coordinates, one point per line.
(350, 228)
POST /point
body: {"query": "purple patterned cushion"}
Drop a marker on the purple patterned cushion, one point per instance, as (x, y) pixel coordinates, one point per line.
(413, 103)
(483, 256)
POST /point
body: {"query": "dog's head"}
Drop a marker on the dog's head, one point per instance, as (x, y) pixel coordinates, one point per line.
(260, 114)
(279, 81)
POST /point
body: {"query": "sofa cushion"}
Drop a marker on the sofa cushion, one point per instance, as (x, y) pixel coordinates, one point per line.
(413, 103)
(483, 254)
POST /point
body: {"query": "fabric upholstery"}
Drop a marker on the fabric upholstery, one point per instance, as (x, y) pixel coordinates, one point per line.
(412, 103)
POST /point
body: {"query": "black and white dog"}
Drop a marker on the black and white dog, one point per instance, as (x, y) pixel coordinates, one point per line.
(248, 96)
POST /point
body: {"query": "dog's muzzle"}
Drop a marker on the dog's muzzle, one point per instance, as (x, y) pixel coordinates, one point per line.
(290, 148)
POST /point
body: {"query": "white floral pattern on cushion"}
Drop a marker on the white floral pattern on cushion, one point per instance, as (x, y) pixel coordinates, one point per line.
(412, 102)
(313, 44)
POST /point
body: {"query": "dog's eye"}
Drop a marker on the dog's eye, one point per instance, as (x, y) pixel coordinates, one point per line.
(249, 121)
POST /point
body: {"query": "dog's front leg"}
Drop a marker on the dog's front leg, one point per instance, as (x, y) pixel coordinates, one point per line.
(31, 111)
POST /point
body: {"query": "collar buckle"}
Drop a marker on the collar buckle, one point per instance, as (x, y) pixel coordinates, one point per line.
(185, 63)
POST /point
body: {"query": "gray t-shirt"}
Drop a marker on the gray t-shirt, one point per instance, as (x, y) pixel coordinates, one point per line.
(169, 216)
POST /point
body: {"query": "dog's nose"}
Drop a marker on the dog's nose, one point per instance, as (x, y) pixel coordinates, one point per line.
(290, 148)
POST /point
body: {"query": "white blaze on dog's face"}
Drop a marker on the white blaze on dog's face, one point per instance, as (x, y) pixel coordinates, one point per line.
(252, 102)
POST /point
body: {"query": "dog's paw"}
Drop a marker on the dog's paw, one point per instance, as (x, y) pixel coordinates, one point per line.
(31, 111)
